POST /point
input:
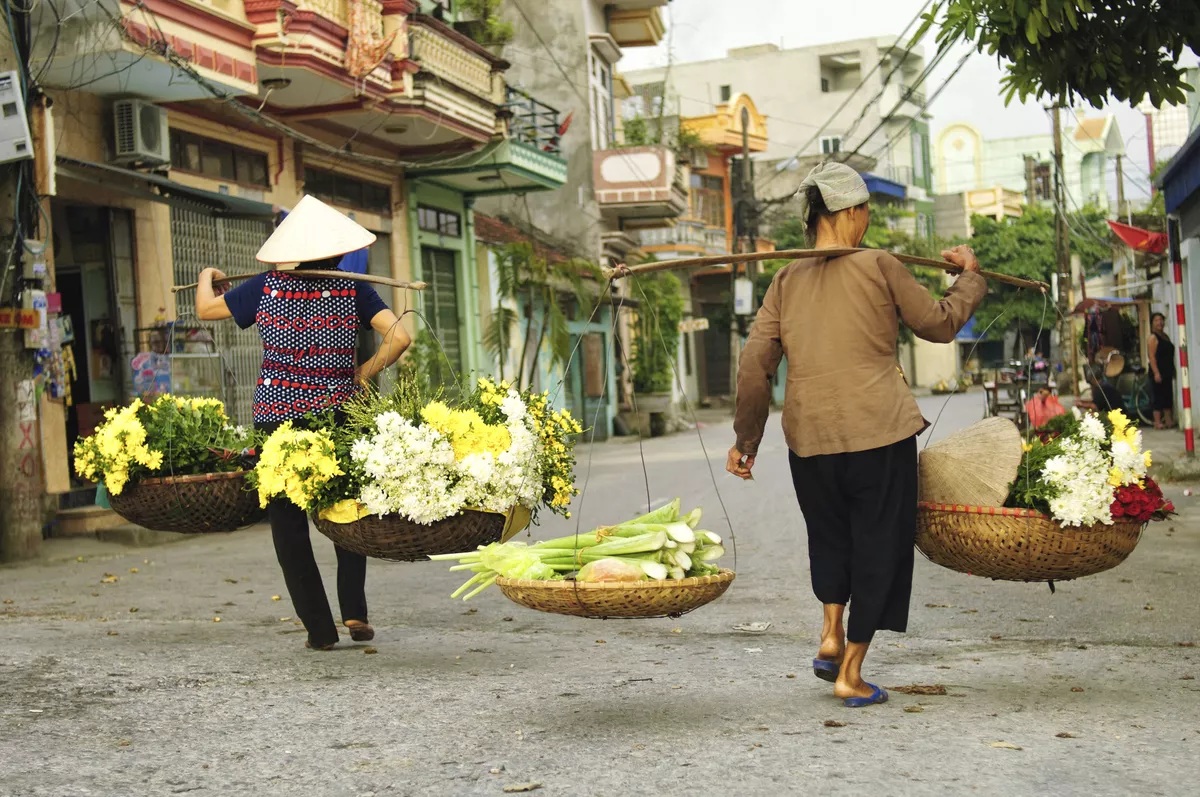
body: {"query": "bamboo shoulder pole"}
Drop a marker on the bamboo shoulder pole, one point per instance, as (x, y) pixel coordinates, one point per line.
(793, 254)
(327, 273)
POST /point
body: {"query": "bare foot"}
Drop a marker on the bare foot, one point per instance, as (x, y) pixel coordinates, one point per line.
(844, 689)
(832, 647)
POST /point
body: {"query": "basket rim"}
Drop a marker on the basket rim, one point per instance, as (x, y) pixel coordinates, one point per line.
(196, 477)
(695, 581)
(971, 509)
(463, 511)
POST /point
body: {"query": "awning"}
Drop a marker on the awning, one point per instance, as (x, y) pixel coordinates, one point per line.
(157, 188)
(967, 333)
(882, 185)
(1181, 179)
(1139, 239)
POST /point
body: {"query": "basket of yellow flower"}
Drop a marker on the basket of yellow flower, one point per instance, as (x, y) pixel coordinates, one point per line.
(404, 478)
(191, 441)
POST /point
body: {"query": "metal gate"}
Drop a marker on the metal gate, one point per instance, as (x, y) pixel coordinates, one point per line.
(199, 241)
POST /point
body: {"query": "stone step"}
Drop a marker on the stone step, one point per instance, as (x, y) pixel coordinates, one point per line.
(85, 521)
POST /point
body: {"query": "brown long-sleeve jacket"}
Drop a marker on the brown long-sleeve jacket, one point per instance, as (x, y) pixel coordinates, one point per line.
(836, 322)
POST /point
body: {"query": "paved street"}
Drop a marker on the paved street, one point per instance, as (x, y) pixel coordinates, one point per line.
(130, 687)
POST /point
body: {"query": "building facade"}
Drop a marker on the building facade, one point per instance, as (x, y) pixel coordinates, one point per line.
(800, 89)
(180, 132)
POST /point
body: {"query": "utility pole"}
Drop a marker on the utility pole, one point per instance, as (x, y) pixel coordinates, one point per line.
(745, 232)
(1062, 252)
(1030, 188)
(1120, 187)
(21, 485)
(1150, 151)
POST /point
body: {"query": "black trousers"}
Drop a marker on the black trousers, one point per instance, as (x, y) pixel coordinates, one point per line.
(1164, 392)
(293, 549)
(861, 512)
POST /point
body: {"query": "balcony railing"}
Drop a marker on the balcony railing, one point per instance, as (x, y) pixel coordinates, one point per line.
(449, 61)
(897, 174)
(711, 239)
(533, 122)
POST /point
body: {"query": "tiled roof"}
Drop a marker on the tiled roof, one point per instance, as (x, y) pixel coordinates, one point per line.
(495, 231)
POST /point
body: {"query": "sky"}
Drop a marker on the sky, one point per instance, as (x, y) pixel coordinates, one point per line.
(704, 29)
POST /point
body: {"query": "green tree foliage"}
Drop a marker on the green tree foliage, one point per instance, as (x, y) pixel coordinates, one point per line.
(543, 289)
(656, 341)
(1024, 247)
(1061, 49)
(493, 32)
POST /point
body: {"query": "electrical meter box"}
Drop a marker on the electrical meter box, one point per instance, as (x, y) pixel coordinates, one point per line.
(15, 143)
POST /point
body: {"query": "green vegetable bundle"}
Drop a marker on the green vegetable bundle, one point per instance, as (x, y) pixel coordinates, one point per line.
(659, 545)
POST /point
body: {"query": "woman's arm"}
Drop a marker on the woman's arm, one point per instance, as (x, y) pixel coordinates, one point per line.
(395, 341)
(757, 364)
(928, 318)
(210, 301)
(1152, 352)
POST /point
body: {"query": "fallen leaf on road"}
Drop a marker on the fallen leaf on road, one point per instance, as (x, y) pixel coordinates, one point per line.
(470, 611)
(216, 619)
(1126, 580)
(370, 651)
(109, 580)
(1187, 677)
(231, 581)
(1064, 735)
(1180, 644)
(124, 743)
(507, 619)
(274, 597)
(8, 602)
(938, 606)
(1006, 746)
(1076, 688)
(970, 611)
(995, 636)
(919, 689)
(790, 675)
(80, 559)
(113, 633)
(1148, 607)
(133, 570)
(523, 787)
(834, 724)
(601, 642)
(913, 709)
(753, 650)
(95, 594)
(284, 619)
(943, 667)
(133, 610)
(229, 603)
(752, 628)
(676, 630)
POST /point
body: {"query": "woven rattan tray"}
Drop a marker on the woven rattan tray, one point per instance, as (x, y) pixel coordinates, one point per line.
(636, 599)
(203, 504)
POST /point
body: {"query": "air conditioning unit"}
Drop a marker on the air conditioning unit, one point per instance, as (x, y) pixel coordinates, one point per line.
(142, 135)
(15, 143)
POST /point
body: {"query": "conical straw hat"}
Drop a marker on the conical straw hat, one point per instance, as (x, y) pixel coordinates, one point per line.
(1112, 360)
(974, 466)
(314, 231)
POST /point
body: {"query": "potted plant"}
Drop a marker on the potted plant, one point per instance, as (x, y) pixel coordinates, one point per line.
(484, 24)
(656, 345)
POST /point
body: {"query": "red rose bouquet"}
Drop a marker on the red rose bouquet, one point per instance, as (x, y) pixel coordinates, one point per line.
(1141, 504)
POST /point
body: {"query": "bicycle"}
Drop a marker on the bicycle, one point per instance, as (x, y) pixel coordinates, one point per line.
(1134, 387)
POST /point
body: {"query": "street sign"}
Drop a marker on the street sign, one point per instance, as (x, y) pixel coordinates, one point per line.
(693, 325)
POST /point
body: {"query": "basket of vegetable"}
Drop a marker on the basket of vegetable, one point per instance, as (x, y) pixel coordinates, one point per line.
(402, 477)
(1077, 507)
(191, 442)
(658, 565)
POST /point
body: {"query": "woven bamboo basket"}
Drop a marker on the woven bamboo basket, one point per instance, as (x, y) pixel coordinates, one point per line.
(401, 540)
(203, 504)
(1019, 544)
(630, 599)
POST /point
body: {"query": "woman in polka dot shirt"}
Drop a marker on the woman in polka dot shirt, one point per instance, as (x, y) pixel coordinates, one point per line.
(309, 328)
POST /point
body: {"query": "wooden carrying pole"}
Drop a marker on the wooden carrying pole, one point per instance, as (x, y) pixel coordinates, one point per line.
(328, 273)
(793, 254)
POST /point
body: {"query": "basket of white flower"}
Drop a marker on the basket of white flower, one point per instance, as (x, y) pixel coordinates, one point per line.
(1078, 507)
(406, 478)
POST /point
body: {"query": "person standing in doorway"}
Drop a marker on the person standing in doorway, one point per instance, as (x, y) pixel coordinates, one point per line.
(309, 328)
(1162, 366)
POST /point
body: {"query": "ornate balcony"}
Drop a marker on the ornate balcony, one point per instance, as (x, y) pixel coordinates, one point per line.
(636, 23)
(528, 159)
(439, 89)
(644, 184)
(157, 49)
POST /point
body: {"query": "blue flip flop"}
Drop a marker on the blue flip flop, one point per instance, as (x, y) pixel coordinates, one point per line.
(826, 670)
(877, 696)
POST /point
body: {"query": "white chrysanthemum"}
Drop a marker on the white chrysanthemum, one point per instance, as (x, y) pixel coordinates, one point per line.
(1080, 475)
(1091, 427)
